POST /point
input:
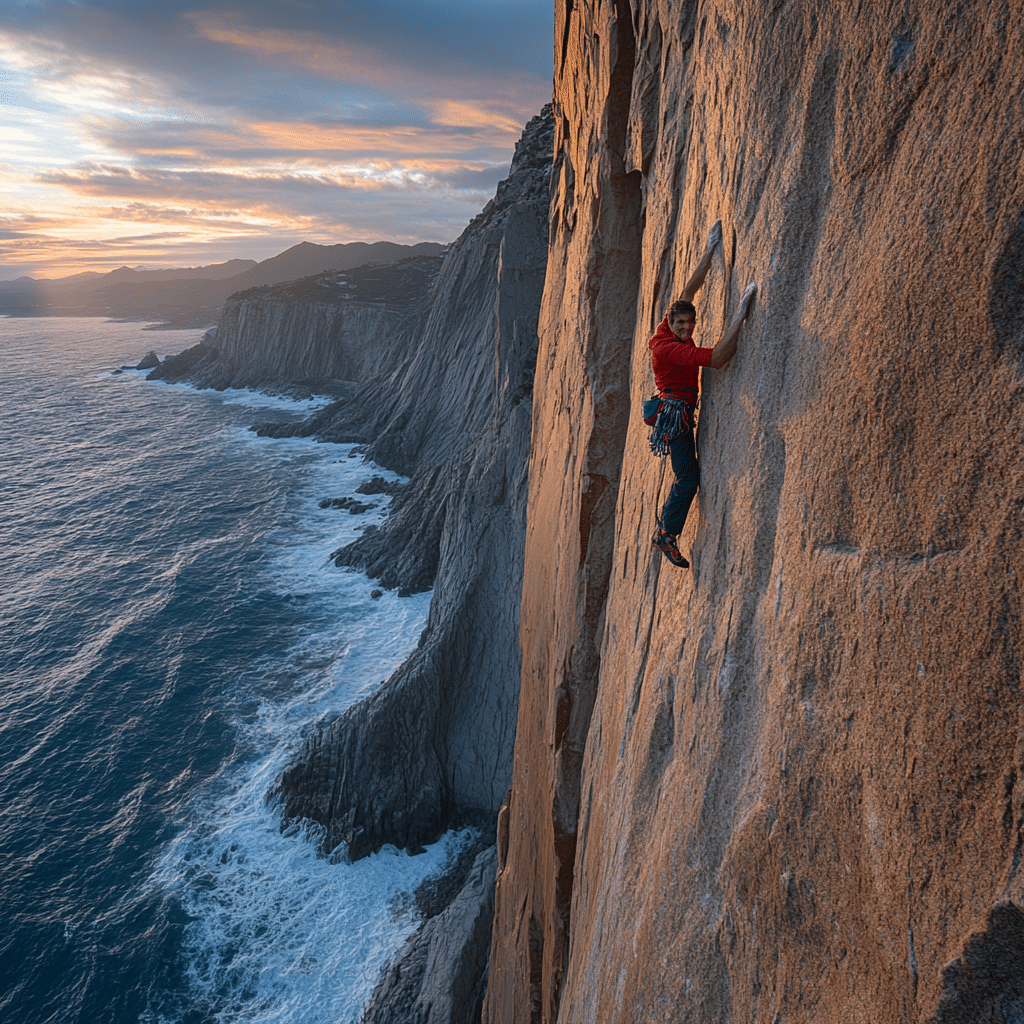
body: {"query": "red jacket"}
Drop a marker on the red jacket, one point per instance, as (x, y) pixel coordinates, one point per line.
(676, 363)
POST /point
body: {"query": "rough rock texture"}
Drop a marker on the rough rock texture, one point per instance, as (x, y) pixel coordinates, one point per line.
(439, 975)
(788, 785)
(433, 746)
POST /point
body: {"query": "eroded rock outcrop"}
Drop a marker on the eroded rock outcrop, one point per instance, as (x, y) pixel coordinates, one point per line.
(348, 326)
(440, 974)
(787, 785)
(433, 746)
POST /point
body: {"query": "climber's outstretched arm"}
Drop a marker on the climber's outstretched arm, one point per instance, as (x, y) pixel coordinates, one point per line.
(697, 277)
(726, 348)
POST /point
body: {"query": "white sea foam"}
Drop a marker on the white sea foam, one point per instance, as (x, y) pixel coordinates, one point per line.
(246, 397)
(258, 400)
(278, 934)
(364, 639)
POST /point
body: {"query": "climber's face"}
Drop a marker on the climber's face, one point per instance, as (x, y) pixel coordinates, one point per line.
(681, 325)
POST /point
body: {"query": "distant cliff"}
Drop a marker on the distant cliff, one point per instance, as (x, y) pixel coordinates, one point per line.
(341, 326)
(787, 785)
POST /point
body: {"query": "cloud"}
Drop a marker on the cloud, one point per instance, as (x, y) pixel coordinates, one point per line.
(236, 187)
(310, 51)
(444, 38)
(486, 93)
(223, 122)
(157, 141)
(16, 135)
(266, 56)
(399, 202)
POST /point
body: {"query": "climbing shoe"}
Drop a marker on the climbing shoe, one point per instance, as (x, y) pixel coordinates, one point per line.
(667, 543)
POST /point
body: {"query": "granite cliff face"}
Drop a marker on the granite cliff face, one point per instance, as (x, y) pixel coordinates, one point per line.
(788, 785)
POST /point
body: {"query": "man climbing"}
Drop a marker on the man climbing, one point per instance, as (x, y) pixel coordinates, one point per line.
(676, 361)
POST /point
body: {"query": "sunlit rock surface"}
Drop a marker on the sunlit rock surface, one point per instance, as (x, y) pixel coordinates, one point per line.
(788, 785)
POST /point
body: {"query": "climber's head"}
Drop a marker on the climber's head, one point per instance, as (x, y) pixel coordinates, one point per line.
(682, 316)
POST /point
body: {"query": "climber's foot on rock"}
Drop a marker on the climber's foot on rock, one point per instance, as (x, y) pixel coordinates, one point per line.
(666, 543)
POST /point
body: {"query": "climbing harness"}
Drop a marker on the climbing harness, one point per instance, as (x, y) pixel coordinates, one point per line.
(674, 417)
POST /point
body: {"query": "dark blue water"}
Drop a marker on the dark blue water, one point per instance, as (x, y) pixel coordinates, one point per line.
(169, 627)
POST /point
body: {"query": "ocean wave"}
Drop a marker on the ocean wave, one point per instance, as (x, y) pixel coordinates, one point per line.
(172, 626)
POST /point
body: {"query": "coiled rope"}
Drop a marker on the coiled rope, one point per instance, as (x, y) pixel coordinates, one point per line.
(674, 417)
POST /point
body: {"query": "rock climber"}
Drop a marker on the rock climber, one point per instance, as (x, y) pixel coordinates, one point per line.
(676, 360)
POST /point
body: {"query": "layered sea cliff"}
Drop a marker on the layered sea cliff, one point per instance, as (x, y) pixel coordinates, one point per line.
(434, 360)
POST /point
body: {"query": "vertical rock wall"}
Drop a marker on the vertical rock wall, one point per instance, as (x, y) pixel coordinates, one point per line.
(433, 746)
(789, 784)
(269, 340)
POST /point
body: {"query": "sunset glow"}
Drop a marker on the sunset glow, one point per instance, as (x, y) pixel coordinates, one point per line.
(183, 136)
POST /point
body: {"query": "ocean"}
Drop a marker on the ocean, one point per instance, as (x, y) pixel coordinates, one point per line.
(170, 629)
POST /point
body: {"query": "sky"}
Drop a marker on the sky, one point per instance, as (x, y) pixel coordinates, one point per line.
(169, 133)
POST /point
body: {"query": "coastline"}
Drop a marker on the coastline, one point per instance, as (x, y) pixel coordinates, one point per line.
(429, 751)
(175, 630)
(453, 902)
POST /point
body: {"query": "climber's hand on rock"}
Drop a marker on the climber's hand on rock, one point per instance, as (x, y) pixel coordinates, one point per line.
(715, 235)
(747, 299)
(726, 348)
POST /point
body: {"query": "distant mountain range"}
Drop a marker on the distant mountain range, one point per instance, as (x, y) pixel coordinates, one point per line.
(189, 297)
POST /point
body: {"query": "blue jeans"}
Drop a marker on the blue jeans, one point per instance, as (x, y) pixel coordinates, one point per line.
(684, 490)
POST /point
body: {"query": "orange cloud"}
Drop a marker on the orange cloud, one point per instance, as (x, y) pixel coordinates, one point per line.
(193, 153)
(473, 115)
(317, 139)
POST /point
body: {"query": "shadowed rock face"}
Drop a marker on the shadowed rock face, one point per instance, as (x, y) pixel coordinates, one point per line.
(787, 785)
(433, 746)
(438, 976)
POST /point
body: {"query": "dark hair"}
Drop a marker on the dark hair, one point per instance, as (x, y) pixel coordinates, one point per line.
(681, 306)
